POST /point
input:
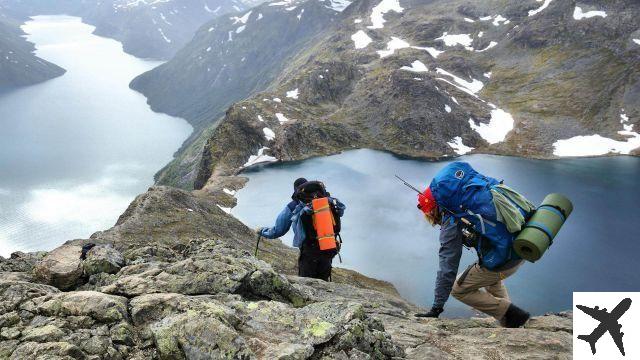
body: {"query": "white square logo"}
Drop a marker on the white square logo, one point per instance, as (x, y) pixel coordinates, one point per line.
(606, 325)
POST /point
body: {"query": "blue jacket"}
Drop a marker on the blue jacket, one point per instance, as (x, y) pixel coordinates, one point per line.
(290, 215)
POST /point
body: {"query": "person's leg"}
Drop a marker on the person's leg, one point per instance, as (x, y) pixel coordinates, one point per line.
(469, 290)
(306, 267)
(498, 290)
(323, 268)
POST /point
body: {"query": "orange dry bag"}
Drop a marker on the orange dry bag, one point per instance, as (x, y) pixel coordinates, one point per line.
(324, 223)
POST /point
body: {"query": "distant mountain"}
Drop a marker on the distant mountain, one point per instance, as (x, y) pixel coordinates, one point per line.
(147, 28)
(155, 28)
(18, 65)
(228, 59)
(438, 79)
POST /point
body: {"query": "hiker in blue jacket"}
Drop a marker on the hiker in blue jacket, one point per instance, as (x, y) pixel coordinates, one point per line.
(458, 187)
(313, 262)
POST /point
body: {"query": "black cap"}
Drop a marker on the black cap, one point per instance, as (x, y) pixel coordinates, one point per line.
(298, 182)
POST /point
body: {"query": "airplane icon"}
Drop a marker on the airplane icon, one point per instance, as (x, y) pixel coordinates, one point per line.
(608, 322)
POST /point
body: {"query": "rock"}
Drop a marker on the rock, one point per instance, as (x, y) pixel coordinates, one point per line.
(61, 267)
(16, 276)
(102, 259)
(43, 334)
(15, 293)
(20, 261)
(101, 307)
(214, 269)
(49, 350)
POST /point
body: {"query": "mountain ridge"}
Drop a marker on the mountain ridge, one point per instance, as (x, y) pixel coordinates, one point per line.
(483, 70)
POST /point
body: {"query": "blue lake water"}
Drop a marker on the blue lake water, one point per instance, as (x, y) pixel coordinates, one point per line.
(75, 150)
(386, 237)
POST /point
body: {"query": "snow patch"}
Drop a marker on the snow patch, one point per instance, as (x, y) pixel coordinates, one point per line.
(357, 21)
(269, 134)
(416, 66)
(361, 39)
(578, 14)
(338, 5)
(542, 7)
(259, 158)
(457, 146)
(164, 36)
(229, 192)
(498, 127)
(260, 118)
(491, 44)
(487, 75)
(593, 145)
(242, 19)
(473, 86)
(499, 19)
(377, 14)
(469, 20)
(240, 29)
(293, 93)
(225, 209)
(459, 39)
(281, 118)
(393, 45)
(432, 51)
(447, 108)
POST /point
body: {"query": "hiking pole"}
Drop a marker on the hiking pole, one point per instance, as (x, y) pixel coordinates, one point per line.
(257, 245)
(409, 185)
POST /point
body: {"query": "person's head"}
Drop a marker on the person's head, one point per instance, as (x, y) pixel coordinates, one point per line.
(427, 204)
(298, 182)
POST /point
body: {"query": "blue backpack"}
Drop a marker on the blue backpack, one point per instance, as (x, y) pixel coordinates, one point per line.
(466, 194)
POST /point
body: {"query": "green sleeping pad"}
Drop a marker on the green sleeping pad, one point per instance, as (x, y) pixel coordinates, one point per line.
(539, 232)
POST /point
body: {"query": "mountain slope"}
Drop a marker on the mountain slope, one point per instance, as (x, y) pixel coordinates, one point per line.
(18, 65)
(441, 78)
(228, 59)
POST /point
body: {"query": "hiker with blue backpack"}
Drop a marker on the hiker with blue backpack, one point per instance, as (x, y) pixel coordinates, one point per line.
(479, 212)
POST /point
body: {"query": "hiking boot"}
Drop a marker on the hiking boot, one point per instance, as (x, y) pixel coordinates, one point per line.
(515, 317)
(433, 313)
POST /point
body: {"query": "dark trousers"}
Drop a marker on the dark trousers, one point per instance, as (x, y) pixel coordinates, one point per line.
(317, 266)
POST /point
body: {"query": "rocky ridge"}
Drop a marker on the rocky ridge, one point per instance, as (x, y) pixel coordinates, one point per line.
(175, 278)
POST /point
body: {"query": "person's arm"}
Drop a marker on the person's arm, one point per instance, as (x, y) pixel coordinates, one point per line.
(340, 207)
(282, 226)
(450, 253)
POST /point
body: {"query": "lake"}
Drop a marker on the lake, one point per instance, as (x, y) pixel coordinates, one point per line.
(386, 237)
(75, 150)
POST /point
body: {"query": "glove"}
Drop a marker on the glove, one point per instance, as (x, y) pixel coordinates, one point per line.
(433, 313)
(258, 230)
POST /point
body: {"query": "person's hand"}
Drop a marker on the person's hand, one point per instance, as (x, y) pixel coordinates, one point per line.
(433, 313)
(258, 230)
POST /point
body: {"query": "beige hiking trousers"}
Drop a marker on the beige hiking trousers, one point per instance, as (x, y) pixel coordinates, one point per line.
(484, 290)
